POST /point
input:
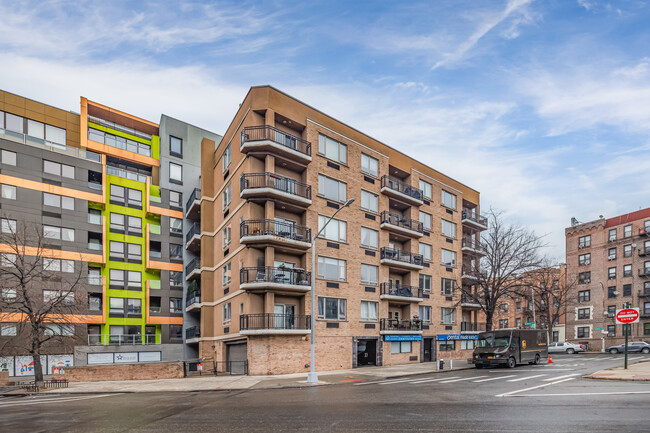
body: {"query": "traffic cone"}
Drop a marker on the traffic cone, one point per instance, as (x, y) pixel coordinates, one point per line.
(550, 359)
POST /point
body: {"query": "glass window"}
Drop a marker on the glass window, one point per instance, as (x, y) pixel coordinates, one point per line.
(584, 295)
(67, 203)
(117, 222)
(9, 260)
(369, 238)
(117, 194)
(627, 289)
(627, 231)
(175, 199)
(94, 216)
(55, 135)
(175, 173)
(584, 241)
(369, 165)
(175, 305)
(175, 252)
(9, 192)
(447, 286)
(7, 157)
(53, 265)
(226, 196)
(332, 149)
(331, 269)
(369, 274)
(336, 230)
(67, 266)
(67, 234)
(94, 276)
(51, 200)
(135, 198)
(583, 332)
(611, 292)
(426, 189)
(15, 123)
(227, 157)
(8, 330)
(116, 250)
(51, 232)
(425, 283)
(175, 225)
(611, 273)
(584, 314)
(226, 237)
(448, 199)
(35, 129)
(627, 270)
(134, 307)
(612, 234)
(369, 311)
(584, 278)
(331, 308)
(135, 225)
(584, 259)
(448, 315)
(627, 250)
(425, 251)
(400, 347)
(331, 189)
(52, 168)
(448, 229)
(448, 257)
(425, 313)
(425, 219)
(175, 146)
(7, 225)
(135, 280)
(227, 274)
(369, 201)
(227, 313)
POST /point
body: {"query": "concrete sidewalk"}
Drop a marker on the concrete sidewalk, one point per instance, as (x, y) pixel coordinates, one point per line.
(639, 371)
(217, 383)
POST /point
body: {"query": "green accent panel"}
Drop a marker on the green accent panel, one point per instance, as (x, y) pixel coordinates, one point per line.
(154, 284)
(120, 134)
(93, 205)
(155, 147)
(154, 229)
(154, 191)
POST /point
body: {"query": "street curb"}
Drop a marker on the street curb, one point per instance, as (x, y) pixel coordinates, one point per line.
(615, 378)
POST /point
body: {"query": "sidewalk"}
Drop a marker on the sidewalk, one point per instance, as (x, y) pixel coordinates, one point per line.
(639, 371)
(219, 383)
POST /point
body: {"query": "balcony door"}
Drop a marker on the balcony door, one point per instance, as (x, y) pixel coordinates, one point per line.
(284, 316)
(283, 276)
(284, 227)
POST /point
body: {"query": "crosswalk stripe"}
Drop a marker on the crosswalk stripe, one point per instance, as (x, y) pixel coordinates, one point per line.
(465, 378)
(551, 379)
(526, 377)
(636, 357)
(494, 378)
(434, 380)
(394, 381)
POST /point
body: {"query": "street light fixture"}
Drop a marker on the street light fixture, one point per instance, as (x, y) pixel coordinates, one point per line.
(312, 377)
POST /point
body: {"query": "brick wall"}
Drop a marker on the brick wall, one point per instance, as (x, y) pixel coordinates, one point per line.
(96, 373)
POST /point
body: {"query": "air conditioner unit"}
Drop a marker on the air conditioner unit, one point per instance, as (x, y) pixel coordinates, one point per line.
(611, 258)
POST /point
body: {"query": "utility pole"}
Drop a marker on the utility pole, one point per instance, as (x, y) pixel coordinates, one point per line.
(532, 295)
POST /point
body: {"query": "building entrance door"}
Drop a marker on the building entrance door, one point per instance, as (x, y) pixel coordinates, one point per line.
(366, 352)
(428, 355)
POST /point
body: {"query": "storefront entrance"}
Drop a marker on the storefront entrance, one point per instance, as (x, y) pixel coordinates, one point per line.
(366, 352)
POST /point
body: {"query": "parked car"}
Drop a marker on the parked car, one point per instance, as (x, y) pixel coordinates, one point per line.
(565, 347)
(632, 347)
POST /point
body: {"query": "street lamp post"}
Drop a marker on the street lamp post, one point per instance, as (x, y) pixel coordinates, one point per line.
(312, 377)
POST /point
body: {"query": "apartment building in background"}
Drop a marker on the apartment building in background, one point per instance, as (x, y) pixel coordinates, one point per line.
(388, 266)
(108, 190)
(610, 261)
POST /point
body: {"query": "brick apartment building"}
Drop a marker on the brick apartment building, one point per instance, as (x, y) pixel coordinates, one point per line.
(387, 267)
(610, 261)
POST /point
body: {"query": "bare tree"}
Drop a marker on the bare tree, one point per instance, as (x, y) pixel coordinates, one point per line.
(510, 250)
(34, 294)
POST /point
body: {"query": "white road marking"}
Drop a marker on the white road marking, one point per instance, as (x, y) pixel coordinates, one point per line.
(434, 380)
(52, 400)
(494, 378)
(585, 393)
(526, 377)
(465, 378)
(508, 394)
(636, 357)
(550, 379)
(389, 382)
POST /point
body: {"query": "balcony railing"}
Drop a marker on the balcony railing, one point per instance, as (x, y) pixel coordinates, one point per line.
(401, 187)
(472, 327)
(260, 133)
(195, 196)
(469, 271)
(193, 265)
(474, 216)
(195, 229)
(275, 228)
(192, 332)
(466, 299)
(276, 182)
(644, 293)
(400, 325)
(644, 251)
(473, 244)
(194, 298)
(249, 322)
(400, 221)
(645, 272)
(396, 254)
(269, 274)
(122, 340)
(403, 291)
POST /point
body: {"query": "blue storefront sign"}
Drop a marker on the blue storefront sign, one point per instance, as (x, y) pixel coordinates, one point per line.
(402, 337)
(457, 337)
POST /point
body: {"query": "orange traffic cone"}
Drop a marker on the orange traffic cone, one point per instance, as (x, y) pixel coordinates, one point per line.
(550, 359)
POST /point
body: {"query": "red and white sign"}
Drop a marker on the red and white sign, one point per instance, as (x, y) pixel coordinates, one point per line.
(628, 315)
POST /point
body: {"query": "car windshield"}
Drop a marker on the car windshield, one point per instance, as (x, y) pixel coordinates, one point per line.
(492, 340)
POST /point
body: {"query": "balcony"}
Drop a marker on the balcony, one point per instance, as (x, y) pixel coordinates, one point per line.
(469, 273)
(193, 269)
(394, 257)
(398, 224)
(469, 302)
(122, 340)
(193, 205)
(401, 190)
(272, 140)
(403, 294)
(394, 326)
(193, 237)
(644, 252)
(268, 277)
(645, 272)
(192, 334)
(469, 327)
(474, 219)
(275, 233)
(473, 246)
(273, 186)
(193, 302)
(270, 324)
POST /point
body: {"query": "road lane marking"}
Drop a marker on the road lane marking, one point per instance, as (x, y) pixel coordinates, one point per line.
(550, 379)
(585, 393)
(494, 378)
(465, 378)
(526, 377)
(508, 394)
(52, 400)
(434, 380)
(636, 357)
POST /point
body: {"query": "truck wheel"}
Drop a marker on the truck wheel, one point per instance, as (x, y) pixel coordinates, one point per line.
(537, 359)
(570, 351)
(511, 362)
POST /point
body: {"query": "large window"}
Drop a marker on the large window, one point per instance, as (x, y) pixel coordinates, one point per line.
(425, 283)
(612, 234)
(126, 196)
(8, 192)
(7, 157)
(425, 251)
(627, 289)
(425, 187)
(175, 305)
(332, 189)
(57, 265)
(584, 313)
(175, 226)
(331, 269)
(583, 332)
(425, 313)
(336, 230)
(369, 311)
(448, 229)
(175, 173)
(400, 347)
(627, 250)
(627, 231)
(584, 295)
(584, 278)
(369, 274)
(584, 241)
(175, 199)
(611, 292)
(627, 270)
(448, 316)
(447, 346)
(175, 252)
(369, 201)
(369, 238)
(425, 219)
(332, 149)
(331, 308)
(175, 146)
(447, 286)
(8, 330)
(448, 199)
(59, 233)
(58, 169)
(59, 201)
(448, 257)
(119, 142)
(584, 259)
(369, 165)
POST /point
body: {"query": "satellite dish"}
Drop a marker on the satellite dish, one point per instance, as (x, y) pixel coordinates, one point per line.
(574, 222)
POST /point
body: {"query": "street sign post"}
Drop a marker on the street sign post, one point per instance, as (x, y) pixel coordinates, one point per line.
(627, 316)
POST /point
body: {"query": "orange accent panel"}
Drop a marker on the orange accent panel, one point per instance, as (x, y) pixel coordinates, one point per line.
(146, 247)
(84, 123)
(55, 318)
(167, 212)
(157, 320)
(165, 266)
(121, 153)
(122, 113)
(52, 189)
(53, 254)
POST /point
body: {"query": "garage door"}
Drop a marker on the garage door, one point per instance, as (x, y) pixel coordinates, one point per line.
(236, 358)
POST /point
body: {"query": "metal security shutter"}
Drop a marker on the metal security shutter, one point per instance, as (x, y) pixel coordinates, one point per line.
(236, 357)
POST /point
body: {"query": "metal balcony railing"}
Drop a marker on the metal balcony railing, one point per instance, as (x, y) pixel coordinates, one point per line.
(192, 332)
(122, 340)
(396, 254)
(195, 196)
(259, 133)
(277, 182)
(400, 325)
(403, 291)
(473, 244)
(472, 215)
(400, 221)
(472, 327)
(466, 299)
(274, 321)
(644, 293)
(402, 187)
(194, 298)
(194, 264)
(645, 272)
(195, 229)
(269, 274)
(275, 228)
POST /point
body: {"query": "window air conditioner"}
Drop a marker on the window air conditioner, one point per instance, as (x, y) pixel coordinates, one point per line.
(611, 257)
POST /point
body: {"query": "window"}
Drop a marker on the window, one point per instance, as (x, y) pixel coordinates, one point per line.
(7, 260)
(134, 252)
(175, 199)
(94, 216)
(7, 157)
(331, 308)
(627, 289)
(175, 252)
(57, 265)
(584, 241)
(504, 307)
(175, 279)
(8, 330)
(117, 194)
(584, 278)
(226, 197)
(611, 292)
(627, 231)
(369, 274)
(331, 189)
(611, 310)
(64, 330)
(227, 158)
(175, 226)
(58, 201)
(518, 325)
(425, 313)
(425, 283)
(400, 347)
(8, 295)
(646, 329)
(175, 173)
(612, 235)
(447, 346)
(175, 305)
(503, 323)
(448, 316)
(448, 258)
(369, 201)
(7, 225)
(517, 306)
(369, 165)
(611, 254)
(58, 169)
(447, 286)
(425, 219)
(15, 123)
(332, 149)
(467, 345)
(117, 222)
(627, 251)
(226, 237)
(425, 252)
(116, 250)
(369, 311)
(425, 187)
(331, 269)
(116, 306)
(611, 330)
(584, 314)
(134, 307)
(611, 273)
(135, 226)
(584, 259)
(226, 275)
(584, 295)
(51, 232)
(94, 276)
(369, 238)
(62, 298)
(448, 229)
(226, 313)
(135, 280)
(627, 270)
(336, 230)
(448, 199)
(175, 146)
(583, 332)
(9, 192)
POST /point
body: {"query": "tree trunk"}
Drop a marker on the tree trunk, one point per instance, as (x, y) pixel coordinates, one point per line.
(488, 322)
(36, 357)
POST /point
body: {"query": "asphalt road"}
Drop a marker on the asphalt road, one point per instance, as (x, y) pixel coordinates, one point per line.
(540, 398)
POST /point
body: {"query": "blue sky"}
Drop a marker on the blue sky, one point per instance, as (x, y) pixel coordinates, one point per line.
(543, 106)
